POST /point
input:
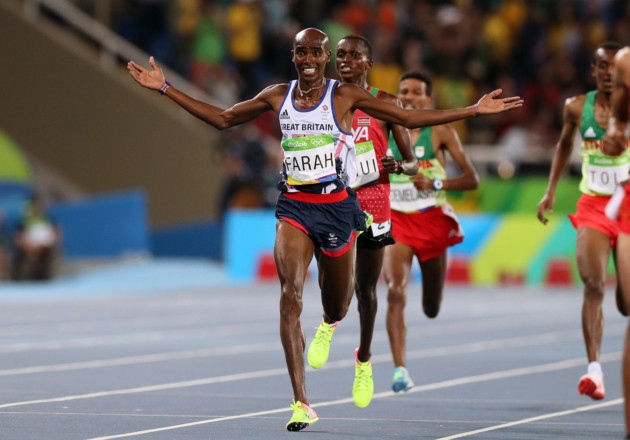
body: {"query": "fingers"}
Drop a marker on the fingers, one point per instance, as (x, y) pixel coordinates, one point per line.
(152, 63)
(495, 93)
(512, 102)
(134, 68)
(512, 99)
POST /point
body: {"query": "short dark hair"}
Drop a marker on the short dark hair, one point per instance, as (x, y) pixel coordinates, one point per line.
(426, 79)
(365, 41)
(609, 45)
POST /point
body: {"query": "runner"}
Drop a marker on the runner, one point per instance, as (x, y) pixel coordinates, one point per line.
(424, 224)
(596, 234)
(318, 213)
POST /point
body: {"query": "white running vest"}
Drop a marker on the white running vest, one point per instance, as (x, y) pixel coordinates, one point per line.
(315, 149)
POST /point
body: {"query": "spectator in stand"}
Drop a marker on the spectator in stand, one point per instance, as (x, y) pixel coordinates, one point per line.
(36, 244)
(209, 70)
(244, 22)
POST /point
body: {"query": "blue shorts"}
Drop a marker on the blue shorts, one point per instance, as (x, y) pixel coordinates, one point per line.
(331, 225)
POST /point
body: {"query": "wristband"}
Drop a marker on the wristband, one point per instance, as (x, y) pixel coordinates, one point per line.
(164, 88)
(399, 167)
(438, 184)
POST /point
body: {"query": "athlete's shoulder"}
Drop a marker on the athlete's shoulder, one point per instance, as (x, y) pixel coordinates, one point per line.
(346, 87)
(443, 130)
(444, 134)
(575, 103)
(275, 90)
(623, 54)
(386, 96)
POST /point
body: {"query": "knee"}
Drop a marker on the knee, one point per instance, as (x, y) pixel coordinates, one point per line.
(337, 309)
(396, 297)
(290, 302)
(594, 287)
(366, 295)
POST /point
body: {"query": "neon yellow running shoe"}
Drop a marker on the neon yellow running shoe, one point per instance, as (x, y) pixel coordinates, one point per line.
(363, 386)
(320, 345)
(369, 219)
(303, 417)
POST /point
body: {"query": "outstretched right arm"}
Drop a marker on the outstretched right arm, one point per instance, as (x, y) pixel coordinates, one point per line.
(217, 117)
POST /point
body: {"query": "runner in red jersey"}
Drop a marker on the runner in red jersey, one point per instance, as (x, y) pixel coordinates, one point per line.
(354, 60)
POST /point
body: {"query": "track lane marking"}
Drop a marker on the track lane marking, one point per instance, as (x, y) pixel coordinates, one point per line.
(535, 419)
(516, 372)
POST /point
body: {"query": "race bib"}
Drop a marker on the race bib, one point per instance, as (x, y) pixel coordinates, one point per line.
(605, 172)
(309, 159)
(404, 197)
(379, 229)
(367, 165)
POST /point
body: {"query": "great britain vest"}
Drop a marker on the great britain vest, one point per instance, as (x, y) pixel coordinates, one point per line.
(318, 156)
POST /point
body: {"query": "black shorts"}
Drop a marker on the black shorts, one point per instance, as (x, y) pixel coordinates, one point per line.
(331, 226)
(367, 240)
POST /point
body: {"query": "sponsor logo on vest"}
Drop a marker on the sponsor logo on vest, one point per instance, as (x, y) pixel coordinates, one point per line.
(590, 133)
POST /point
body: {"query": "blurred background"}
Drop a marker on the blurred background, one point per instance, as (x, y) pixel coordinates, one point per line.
(121, 174)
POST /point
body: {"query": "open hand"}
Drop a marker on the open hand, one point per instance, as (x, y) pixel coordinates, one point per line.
(151, 79)
(490, 103)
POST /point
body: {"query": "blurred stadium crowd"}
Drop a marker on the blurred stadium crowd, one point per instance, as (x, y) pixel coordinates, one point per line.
(540, 50)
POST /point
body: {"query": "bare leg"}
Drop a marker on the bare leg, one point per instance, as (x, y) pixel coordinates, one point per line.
(397, 266)
(433, 274)
(593, 250)
(336, 281)
(368, 270)
(293, 252)
(621, 303)
(623, 263)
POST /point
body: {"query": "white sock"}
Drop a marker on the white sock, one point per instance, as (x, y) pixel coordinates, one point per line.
(595, 368)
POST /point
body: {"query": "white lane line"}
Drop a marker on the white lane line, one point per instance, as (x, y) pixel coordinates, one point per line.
(149, 388)
(537, 418)
(142, 359)
(432, 352)
(554, 366)
(519, 341)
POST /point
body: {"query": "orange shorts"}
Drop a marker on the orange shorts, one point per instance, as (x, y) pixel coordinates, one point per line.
(590, 214)
(428, 233)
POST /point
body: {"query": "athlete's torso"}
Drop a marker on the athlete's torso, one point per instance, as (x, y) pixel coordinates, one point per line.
(371, 144)
(404, 196)
(318, 156)
(600, 173)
